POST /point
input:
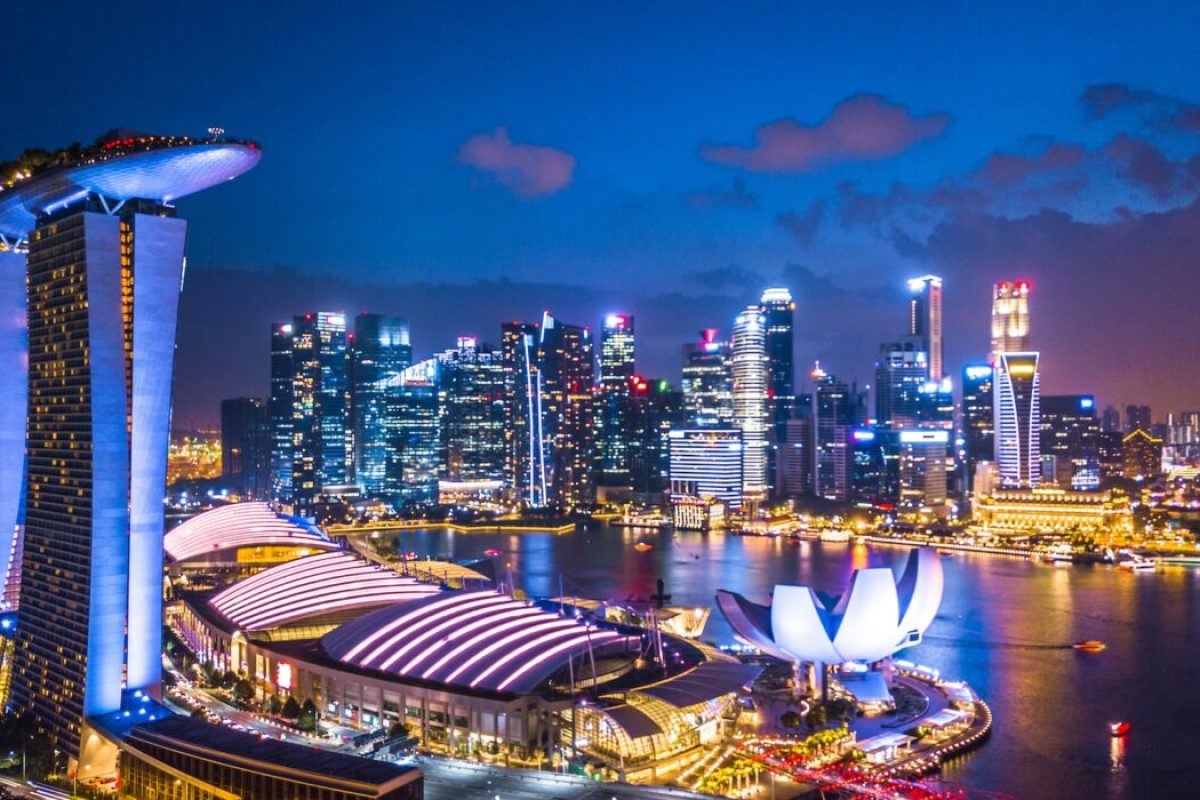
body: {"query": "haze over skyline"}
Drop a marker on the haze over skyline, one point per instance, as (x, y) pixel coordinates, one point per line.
(672, 167)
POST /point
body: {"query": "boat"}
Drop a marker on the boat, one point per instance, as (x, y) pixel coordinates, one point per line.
(1059, 554)
(1090, 646)
(1118, 728)
(1136, 563)
(491, 551)
(835, 536)
(642, 547)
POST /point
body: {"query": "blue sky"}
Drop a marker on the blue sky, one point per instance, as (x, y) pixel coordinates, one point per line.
(364, 111)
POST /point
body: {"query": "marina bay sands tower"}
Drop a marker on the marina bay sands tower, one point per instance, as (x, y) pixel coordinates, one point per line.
(90, 274)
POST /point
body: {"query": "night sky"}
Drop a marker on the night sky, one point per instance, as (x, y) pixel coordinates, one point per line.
(461, 164)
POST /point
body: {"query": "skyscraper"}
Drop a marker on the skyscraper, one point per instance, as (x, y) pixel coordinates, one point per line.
(473, 412)
(319, 441)
(415, 457)
(522, 416)
(837, 409)
(103, 272)
(656, 410)
(925, 320)
(1070, 434)
(380, 350)
(1018, 420)
(900, 373)
(751, 378)
(245, 447)
(614, 410)
(1010, 319)
(280, 409)
(707, 382)
(779, 313)
(567, 375)
(1137, 418)
(978, 418)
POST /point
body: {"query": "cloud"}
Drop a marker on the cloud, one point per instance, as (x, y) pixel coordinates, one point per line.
(528, 170)
(803, 226)
(719, 278)
(1006, 169)
(1166, 112)
(865, 127)
(736, 196)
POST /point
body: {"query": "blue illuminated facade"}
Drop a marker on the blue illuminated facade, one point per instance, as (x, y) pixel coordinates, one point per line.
(101, 278)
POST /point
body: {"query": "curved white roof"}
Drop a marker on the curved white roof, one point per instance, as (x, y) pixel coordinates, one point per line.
(478, 640)
(313, 586)
(878, 615)
(241, 525)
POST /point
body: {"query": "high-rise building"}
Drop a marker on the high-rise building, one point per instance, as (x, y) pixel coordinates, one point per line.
(319, 440)
(707, 382)
(614, 431)
(925, 320)
(1137, 418)
(1110, 420)
(523, 459)
(706, 463)
(978, 418)
(900, 374)
(1010, 319)
(750, 408)
(246, 447)
(1070, 435)
(379, 350)
(567, 374)
(779, 312)
(280, 408)
(837, 408)
(657, 409)
(473, 411)
(415, 455)
(1018, 420)
(923, 471)
(1142, 455)
(103, 270)
(875, 467)
(1111, 455)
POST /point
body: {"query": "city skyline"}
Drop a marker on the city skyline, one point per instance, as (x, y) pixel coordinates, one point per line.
(646, 185)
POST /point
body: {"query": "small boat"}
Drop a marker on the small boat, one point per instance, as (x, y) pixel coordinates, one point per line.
(491, 551)
(1090, 646)
(835, 536)
(642, 547)
(1118, 728)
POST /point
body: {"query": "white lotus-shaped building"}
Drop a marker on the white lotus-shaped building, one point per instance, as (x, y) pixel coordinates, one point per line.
(878, 615)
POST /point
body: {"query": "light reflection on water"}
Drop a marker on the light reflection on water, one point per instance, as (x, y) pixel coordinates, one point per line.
(1006, 626)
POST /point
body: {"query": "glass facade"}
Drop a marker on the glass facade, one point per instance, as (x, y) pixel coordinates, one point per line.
(319, 383)
(707, 382)
(614, 423)
(380, 350)
(245, 447)
(415, 454)
(279, 408)
(473, 412)
(751, 378)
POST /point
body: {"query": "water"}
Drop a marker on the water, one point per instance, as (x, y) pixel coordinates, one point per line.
(1005, 625)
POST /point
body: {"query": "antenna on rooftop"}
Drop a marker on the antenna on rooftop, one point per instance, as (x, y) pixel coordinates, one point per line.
(217, 133)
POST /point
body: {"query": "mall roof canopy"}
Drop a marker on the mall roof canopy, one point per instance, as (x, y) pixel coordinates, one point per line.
(323, 585)
(475, 640)
(707, 681)
(634, 722)
(227, 529)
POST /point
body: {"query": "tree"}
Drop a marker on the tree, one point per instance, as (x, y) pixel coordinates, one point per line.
(790, 719)
(398, 729)
(229, 679)
(291, 709)
(243, 691)
(308, 716)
